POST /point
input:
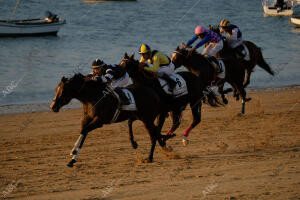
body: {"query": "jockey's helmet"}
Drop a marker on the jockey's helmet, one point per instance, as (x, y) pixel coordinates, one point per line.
(97, 63)
(224, 23)
(144, 49)
(199, 30)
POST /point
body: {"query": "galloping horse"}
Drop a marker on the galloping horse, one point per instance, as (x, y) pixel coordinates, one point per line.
(256, 57)
(194, 96)
(101, 106)
(200, 66)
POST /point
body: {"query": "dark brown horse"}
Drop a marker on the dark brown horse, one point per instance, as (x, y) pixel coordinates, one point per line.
(194, 97)
(200, 66)
(256, 57)
(100, 107)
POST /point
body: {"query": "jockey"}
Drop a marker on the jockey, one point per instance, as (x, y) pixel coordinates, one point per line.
(234, 38)
(114, 75)
(95, 75)
(161, 64)
(214, 41)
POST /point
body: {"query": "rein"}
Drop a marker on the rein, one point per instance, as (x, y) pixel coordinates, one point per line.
(109, 90)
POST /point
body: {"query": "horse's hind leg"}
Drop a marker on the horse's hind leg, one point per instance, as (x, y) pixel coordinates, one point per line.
(162, 138)
(196, 111)
(161, 120)
(247, 78)
(131, 137)
(222, 93)
(242, 92)
(176, 119)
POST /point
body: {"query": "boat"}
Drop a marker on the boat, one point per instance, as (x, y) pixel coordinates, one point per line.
(31, 27)
(296, 20)
(271, 10)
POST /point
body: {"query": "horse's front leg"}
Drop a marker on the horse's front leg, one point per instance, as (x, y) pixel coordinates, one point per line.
(131, 137)
(87, 126)
(176, 119)
(196, 111)
(152, 130)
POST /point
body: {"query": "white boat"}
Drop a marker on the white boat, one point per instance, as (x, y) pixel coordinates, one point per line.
(271, 10)
(296, 20)
(31, 27)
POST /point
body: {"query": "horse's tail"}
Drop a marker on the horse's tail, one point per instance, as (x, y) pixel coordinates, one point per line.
(263, 64)
(257, 55)
(211, 98)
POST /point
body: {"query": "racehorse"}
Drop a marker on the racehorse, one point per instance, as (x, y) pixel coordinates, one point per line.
(200, 66)
(255, 53)
(194, 96)
(100, 106)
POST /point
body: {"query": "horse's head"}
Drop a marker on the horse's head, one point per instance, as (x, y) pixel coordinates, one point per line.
(128, 62)
(66, 90)
(179, 56)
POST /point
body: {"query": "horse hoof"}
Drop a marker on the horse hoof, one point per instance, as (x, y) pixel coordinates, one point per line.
(71, 163)
(134, 145)
(247, 99)
(225, 101)
(167, 149)
(185, 141)
(147, 160)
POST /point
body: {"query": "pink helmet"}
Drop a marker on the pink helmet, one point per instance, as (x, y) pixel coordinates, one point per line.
(199, 30)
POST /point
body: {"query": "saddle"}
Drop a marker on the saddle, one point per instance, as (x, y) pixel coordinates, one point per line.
(122, 97)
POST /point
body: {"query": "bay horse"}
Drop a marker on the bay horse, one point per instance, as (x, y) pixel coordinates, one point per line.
(200, 66)
(255, 53)
(194, 97)
(100, 106)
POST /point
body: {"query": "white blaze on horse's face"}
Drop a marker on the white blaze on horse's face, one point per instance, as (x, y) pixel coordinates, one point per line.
(58, 91)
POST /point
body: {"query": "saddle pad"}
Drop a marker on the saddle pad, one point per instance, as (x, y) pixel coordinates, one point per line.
(222, 66)
(246, 52)
(179, 90)
(132, 105)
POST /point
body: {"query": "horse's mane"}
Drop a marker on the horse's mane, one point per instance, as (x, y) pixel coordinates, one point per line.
(87, 83)
(77, 77)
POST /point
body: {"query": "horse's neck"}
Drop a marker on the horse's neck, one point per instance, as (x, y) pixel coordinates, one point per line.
(89, 95)
(196, 60)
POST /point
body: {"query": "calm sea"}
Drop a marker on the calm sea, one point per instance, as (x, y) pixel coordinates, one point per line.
(30, 68)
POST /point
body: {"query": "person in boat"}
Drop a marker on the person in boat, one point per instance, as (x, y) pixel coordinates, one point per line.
(114, 75)
(52, 18)
(161, 64)
(214, 45)
(234, 37)
(279, 5)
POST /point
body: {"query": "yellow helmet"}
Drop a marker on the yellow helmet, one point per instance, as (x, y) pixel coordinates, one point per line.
(224, 23)
(144, 49)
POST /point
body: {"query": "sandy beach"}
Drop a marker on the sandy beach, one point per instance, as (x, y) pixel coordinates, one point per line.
(254, 156)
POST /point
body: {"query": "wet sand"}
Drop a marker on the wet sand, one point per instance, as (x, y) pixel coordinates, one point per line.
(254, 156)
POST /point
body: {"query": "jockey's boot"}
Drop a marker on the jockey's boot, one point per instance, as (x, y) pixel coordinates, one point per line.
(123, 98)
(170, 82)
(214, 62)
(166, 97)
